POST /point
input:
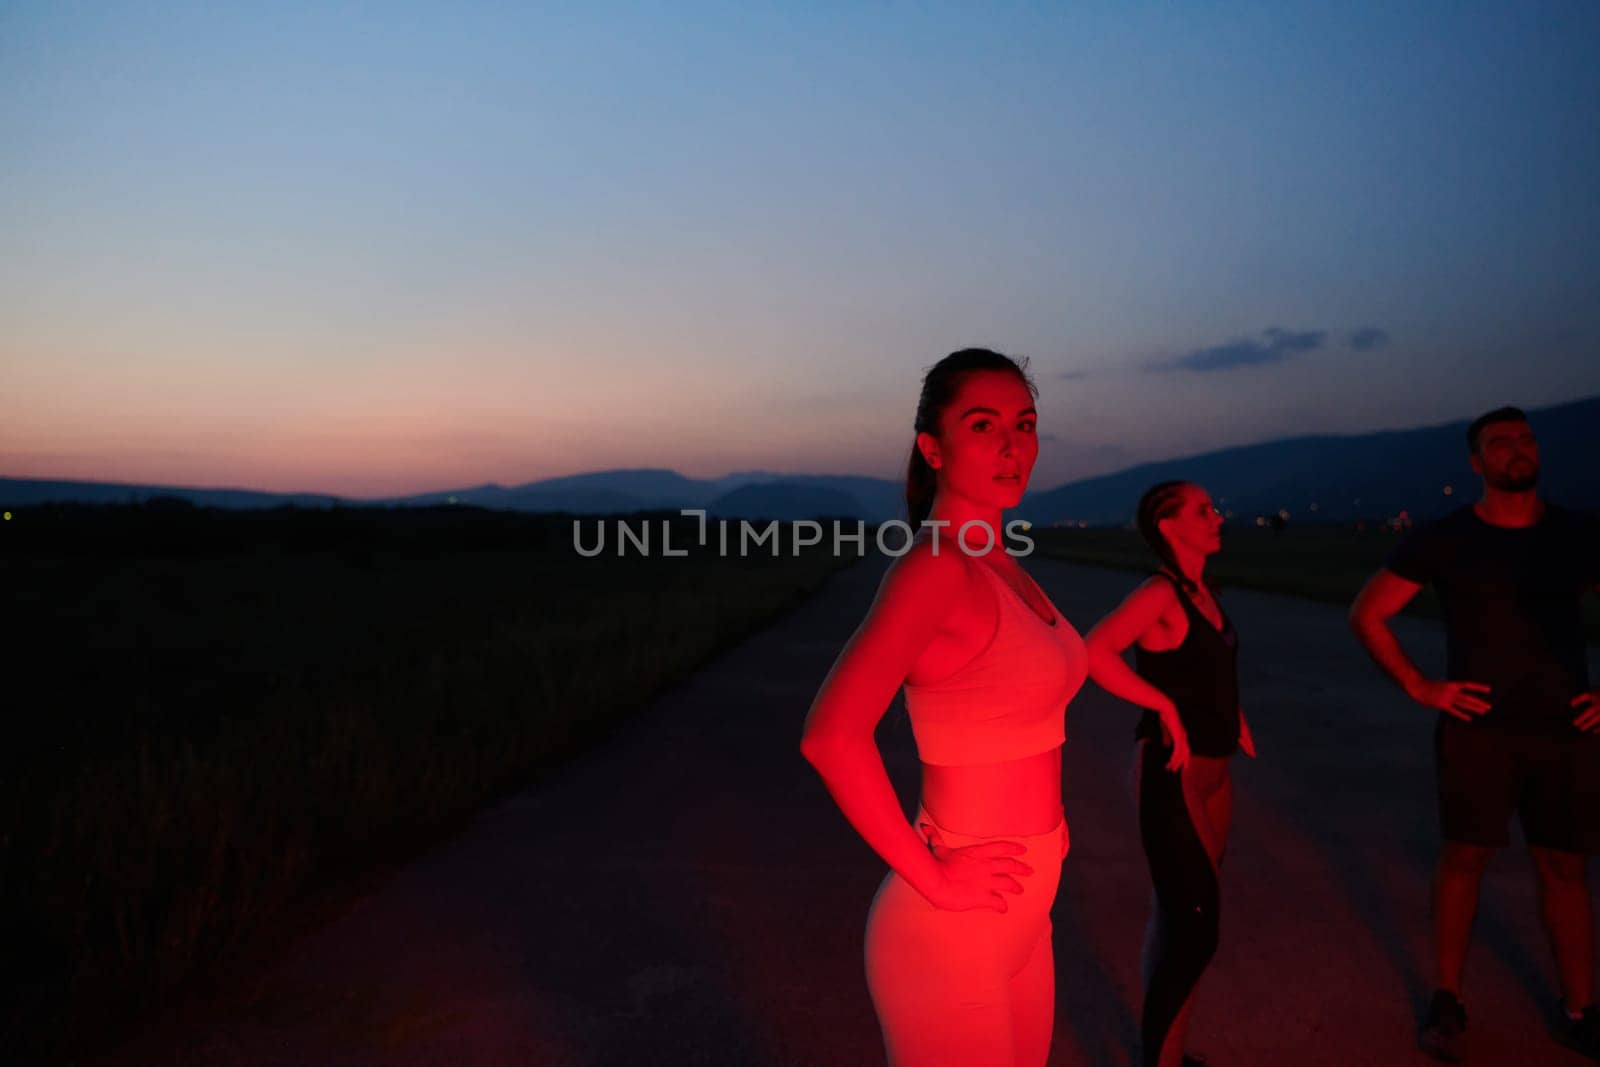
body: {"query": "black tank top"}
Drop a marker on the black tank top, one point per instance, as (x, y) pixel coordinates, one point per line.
(1201, 677)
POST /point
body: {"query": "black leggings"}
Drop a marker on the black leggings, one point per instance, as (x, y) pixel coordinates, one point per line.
(1187, 898)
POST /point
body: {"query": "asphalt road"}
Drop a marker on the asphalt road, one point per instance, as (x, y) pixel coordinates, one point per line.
(688, 894)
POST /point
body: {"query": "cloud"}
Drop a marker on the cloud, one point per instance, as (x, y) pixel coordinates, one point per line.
(1074, 375)
(1367, 338)
(1273, 346)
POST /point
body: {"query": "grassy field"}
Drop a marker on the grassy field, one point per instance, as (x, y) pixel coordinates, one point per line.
(1323, 563)
(213, 714)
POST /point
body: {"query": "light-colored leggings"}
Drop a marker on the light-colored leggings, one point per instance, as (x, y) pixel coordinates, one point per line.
(967, 987)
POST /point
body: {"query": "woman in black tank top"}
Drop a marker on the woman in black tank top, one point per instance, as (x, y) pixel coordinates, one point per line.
(1200, 675)
(1187, 680)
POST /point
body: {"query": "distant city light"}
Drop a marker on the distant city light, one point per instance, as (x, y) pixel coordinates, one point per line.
(1261, 520)
(1283, 514)
(8, 516)
(1313, 505)
(1449, 489)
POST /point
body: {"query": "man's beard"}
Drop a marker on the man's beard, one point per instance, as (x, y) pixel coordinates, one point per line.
(1507, 482)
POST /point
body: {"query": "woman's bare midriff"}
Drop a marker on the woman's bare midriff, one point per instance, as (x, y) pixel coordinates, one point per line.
(1021, 796)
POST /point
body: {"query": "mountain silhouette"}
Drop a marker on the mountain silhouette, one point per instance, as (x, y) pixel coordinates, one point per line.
(1318, 479)
(1325, 479)
(26, 492)
(777, 500)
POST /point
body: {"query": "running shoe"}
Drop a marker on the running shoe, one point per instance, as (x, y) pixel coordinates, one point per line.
(1443, 1033)
(1583, 1033)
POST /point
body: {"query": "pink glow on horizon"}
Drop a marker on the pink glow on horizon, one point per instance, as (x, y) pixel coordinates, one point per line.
(374, 455)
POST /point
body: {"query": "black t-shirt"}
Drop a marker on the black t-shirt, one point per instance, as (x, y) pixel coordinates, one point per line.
(1512, 600)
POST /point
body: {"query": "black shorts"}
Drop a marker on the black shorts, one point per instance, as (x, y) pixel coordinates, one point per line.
(1551, 780)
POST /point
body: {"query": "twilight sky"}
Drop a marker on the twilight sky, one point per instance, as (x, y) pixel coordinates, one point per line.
(393, 247)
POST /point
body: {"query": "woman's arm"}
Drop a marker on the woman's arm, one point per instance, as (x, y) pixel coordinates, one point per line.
(914, 602)
(1112, 635)
(1247, 740)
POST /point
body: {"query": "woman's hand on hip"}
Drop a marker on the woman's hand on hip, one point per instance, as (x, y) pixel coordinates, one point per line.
(1176, 738)
(976, 876)
(1247, 740)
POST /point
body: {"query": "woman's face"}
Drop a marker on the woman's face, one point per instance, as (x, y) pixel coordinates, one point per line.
(987, 441)
(1196, 524)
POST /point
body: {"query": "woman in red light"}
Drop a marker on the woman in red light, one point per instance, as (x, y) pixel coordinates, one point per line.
(958, 954)
(1187, 674)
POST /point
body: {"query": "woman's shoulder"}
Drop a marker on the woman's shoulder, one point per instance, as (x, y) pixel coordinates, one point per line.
(1147, 604)
(1159, 587)
(930, 569)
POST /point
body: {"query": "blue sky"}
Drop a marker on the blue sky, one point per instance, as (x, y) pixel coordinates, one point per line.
(371, 249)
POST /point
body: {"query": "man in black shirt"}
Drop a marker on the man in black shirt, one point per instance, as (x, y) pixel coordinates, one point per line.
(1521, 724)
